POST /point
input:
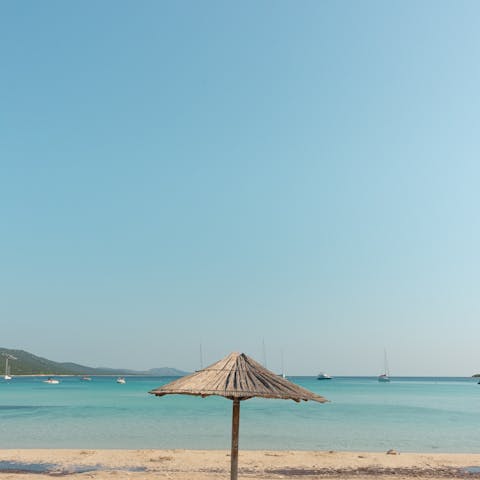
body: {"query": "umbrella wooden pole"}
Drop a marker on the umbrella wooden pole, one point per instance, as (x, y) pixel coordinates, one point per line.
(235, 431)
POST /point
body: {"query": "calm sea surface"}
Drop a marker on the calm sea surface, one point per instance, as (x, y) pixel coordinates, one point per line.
(408, 414)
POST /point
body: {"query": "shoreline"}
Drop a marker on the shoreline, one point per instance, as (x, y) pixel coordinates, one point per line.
(178, 464)
(343, 377)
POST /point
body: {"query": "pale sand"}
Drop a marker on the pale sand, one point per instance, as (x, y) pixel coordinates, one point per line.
(253, 465)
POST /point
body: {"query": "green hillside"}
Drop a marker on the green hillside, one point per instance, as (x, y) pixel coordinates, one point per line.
(28, 364)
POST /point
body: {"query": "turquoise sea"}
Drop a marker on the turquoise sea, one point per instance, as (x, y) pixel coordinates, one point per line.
(407, 414)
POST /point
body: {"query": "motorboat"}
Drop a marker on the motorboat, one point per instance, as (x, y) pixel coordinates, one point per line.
(86, 379)
(121, 380)
(51, 381)
(323, 376)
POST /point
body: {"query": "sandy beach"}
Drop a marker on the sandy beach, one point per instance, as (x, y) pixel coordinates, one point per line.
(213, 465)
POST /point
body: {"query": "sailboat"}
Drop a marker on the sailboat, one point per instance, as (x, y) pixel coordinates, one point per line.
(283, 367)
(7, 370)
(385, 376)
(8, 357)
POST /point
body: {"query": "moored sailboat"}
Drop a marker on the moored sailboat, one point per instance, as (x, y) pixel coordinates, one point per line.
(8, 375)
(283, 366)
(385, 376)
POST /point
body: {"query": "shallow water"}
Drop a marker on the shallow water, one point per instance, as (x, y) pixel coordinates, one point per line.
(407, 414)
(58, 470)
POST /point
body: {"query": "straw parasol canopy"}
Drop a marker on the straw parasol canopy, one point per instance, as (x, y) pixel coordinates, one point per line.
(237, 377)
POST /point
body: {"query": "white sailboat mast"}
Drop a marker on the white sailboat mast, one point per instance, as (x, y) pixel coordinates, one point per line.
(387, 371)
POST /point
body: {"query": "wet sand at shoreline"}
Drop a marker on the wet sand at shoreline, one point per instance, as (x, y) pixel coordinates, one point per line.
(26, 464)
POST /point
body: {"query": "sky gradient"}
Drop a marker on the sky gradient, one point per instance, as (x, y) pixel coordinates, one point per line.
(304, 174)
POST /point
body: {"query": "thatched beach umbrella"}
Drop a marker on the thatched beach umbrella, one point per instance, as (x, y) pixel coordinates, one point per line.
(237, 377)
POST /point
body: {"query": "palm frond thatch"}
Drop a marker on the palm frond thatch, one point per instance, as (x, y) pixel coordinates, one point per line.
(237, 376)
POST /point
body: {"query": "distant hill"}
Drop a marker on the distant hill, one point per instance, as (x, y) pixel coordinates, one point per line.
(166, 372)
(30, 364)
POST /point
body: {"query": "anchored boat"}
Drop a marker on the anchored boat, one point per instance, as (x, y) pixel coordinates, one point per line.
(384, 377)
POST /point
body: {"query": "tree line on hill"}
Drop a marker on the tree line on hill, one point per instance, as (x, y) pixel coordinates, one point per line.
(26, 363)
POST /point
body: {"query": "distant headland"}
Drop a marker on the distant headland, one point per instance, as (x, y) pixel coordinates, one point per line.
(26, 363)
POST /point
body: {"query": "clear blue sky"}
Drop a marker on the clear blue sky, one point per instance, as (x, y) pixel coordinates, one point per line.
(218, 173)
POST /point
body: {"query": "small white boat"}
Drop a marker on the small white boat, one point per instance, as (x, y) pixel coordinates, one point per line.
(323, 376)
(283, 375)
(384, 377)
(86, 379)
(8, 357)
(51, 381)
(121, 380)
